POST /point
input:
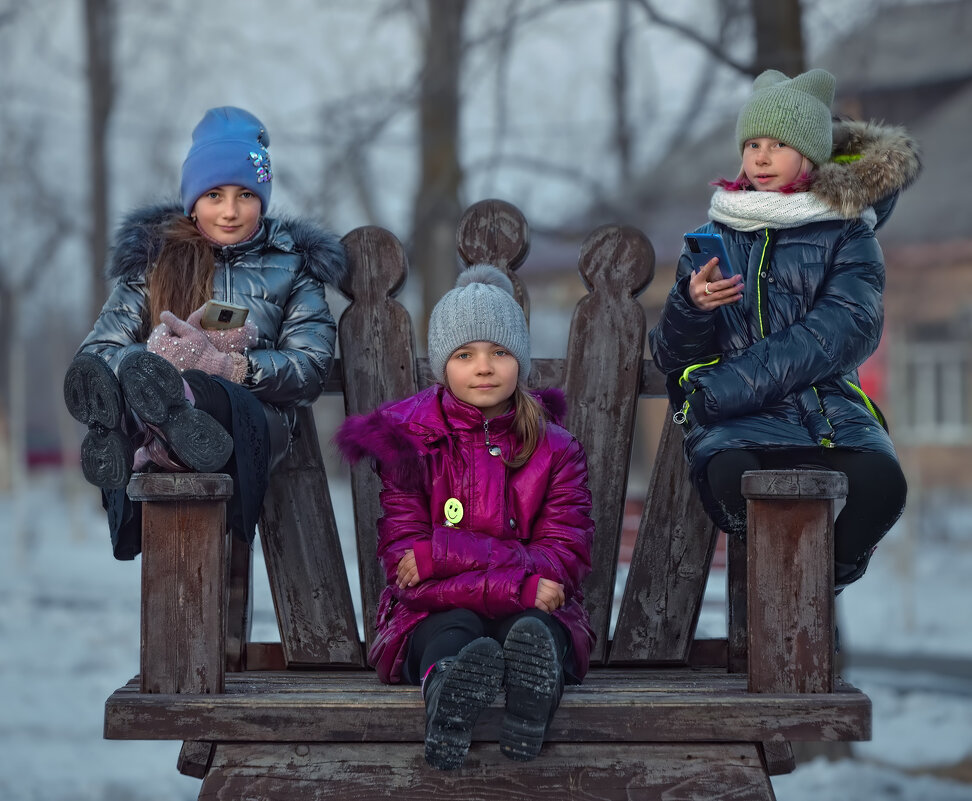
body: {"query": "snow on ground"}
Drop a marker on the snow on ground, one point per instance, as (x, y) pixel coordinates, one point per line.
(69, 635)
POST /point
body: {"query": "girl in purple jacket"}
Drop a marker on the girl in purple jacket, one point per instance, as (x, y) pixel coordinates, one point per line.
(485, 536)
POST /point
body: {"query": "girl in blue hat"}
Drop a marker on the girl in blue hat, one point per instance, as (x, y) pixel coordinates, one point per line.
(161, 389)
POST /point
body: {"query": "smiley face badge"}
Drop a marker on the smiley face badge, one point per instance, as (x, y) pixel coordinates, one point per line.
(453, 512)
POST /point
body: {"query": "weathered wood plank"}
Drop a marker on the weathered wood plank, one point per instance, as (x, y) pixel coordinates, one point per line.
(378, 344)
(718, 709)
(602, 378)
(790, 599)
(646, 772)
(308, 582)
(195, 758)
(669, 566)
(239, 602)
(496, 232)
(183, 645)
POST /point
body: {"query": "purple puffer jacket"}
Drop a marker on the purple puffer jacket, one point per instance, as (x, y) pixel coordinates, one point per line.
(517, 525)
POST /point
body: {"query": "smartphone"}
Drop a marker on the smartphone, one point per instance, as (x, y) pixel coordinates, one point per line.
(218, 316)
(703, 247)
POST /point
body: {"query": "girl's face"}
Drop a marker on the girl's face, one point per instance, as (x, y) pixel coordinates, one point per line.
(227, 214)
(484, 375)
(770, 165)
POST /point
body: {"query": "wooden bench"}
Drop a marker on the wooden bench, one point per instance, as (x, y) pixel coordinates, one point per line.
(661, 714)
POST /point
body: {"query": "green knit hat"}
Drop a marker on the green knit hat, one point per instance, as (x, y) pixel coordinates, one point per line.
(796, 111)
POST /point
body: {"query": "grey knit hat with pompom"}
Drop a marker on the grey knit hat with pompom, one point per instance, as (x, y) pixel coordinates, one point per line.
(481, 308)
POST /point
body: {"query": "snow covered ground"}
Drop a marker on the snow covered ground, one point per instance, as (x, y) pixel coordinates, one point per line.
(69, 633)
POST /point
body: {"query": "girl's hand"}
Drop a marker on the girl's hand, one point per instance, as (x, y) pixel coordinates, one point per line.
(708, 290)
(230, 340)
(550, 596)
(407, 570)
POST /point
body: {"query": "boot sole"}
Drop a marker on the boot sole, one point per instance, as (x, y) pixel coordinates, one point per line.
(94, 397)
(469, 687)
(154, 391)
(532, 679)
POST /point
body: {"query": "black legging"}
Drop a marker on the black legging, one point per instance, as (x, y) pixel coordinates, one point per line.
(876, 490)
(444, 634)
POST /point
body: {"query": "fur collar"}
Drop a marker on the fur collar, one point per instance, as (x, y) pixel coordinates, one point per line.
(140, 236)
(399, 434)
(870, 163)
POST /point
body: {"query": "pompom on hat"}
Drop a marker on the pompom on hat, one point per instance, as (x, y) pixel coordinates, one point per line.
(481, 308)
(229, 148)
(796, 111)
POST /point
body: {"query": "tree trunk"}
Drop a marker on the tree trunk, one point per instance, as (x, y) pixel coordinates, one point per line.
(437, 205)
(779, 36)
(99, 18)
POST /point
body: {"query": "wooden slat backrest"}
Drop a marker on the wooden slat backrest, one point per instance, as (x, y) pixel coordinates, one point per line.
(669, 566)
(378, 362)
(602, 383)
(603, 375)
(308, 581)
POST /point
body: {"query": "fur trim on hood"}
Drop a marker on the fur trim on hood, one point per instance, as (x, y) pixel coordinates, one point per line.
(140, 235)
(870, 163)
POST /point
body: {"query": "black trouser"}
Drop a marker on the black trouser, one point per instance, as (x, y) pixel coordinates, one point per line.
(444, 634)
(876, 490)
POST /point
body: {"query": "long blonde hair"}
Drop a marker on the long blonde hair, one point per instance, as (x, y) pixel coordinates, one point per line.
(529, 424)
(181, 279)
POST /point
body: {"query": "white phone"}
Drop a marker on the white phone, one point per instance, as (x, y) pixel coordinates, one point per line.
(219, 316)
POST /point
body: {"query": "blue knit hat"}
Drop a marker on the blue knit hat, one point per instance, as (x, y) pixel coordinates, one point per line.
(229, 148)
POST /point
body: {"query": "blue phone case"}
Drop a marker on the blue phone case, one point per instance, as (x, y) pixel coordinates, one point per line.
(703, 247)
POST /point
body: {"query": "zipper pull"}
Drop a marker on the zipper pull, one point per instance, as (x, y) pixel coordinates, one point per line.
(494, 450)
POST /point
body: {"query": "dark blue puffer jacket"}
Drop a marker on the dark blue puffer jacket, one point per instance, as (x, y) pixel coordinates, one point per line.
(779, 368)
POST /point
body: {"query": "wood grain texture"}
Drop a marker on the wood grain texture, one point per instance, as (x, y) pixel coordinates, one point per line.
(613, 705)
(669, 565)
(183, 634)
(305, 566)
(790, 567)
(602, 381)
(378, 345)
(646, 772)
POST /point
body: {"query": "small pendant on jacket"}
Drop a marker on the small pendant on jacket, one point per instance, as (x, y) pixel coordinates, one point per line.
(494, 450)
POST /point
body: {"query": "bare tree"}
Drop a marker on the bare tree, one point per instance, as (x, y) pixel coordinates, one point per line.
(99, 18)
(437, 205)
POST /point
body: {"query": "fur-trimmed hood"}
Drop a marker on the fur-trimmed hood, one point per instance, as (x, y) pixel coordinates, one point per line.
(871, 162)
(140, 235)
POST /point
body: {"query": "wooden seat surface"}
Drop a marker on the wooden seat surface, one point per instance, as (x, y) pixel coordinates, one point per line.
(613, 705)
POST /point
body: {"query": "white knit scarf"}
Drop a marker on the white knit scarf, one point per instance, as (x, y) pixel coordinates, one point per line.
(753, 211)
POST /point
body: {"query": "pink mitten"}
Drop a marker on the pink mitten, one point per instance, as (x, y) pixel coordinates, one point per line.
(188, 348)
(231, 340)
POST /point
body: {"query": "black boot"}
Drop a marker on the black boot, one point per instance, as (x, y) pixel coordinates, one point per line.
(155, 392)
(94, 397)
(534, 684)
(456, 691)
(846, 574)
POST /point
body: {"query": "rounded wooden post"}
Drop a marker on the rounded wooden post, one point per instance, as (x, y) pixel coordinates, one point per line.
(183, 574)
(790, 578)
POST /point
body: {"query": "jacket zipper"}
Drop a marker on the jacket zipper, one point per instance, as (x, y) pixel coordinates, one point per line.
(494, 450)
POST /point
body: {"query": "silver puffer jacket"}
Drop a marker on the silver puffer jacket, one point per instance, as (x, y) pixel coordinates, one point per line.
(279, 275)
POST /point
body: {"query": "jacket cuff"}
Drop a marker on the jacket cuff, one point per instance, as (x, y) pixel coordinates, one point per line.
(528, 595)
(696, 402)
(423, 559)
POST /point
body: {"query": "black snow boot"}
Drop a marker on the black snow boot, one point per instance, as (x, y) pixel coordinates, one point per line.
(534, 684)
(155, 392)
(456, 691)
(846, 574)
(94, 397)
